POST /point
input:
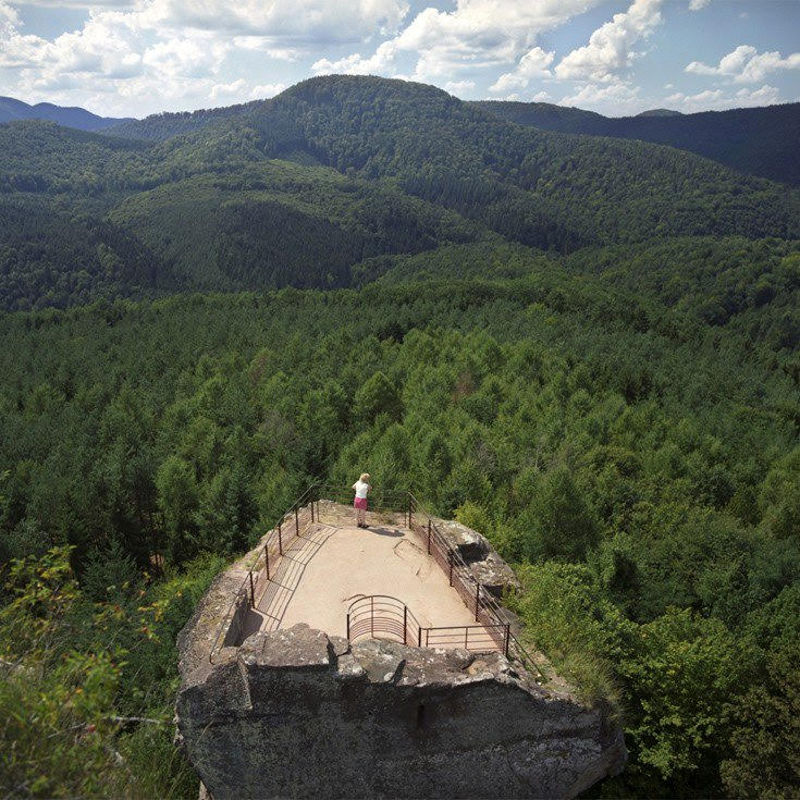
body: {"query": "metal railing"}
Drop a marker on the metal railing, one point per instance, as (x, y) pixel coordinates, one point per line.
(255, 582)
(474, 595)
(480, 638)
(488, 613)
(381, 616)
(381, 501)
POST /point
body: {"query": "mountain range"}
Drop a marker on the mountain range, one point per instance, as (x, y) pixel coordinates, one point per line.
(333, 183)
(12, 110)
(758, 141)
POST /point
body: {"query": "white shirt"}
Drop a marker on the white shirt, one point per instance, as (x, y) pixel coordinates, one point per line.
(361, 489)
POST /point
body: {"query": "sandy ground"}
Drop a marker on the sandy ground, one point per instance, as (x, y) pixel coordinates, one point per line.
(334, 562)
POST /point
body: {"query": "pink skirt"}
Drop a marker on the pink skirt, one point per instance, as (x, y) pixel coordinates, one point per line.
(360, 502)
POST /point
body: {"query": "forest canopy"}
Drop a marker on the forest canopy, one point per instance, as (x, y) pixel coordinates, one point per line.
(585, 349)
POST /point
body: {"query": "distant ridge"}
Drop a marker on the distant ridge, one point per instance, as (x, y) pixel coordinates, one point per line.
(12, 110)
(660, 112)
(758, 141)
(157, 127)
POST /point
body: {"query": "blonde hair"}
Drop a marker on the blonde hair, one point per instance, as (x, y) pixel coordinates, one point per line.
(364, 477)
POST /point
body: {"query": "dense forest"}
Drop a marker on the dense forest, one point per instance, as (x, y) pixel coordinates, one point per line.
(586, 350)
(756, 141)
(356, 168)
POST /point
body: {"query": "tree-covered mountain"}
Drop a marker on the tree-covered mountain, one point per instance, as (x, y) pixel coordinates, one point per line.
(301, 189)
(12, 110)
(755, 141)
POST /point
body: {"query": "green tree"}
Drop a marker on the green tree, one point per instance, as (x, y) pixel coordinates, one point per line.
(557, 522)
(178, 501)
(377, 395)
(766, 733)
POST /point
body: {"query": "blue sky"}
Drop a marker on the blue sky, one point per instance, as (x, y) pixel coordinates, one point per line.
(137, 57)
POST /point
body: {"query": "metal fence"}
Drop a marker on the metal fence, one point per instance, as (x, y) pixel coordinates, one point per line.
(299, 516)
(383, 616)
(492, 621)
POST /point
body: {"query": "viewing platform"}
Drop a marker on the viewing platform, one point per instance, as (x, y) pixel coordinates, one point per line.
(406, 577)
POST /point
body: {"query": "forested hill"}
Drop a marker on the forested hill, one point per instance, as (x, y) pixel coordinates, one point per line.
(757, 141)
(310, 188)
(540, 188)
(158, 127)
(12, 110)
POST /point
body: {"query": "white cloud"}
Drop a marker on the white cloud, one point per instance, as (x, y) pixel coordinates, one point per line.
(610, 47)
(104, 47)
(299, 21)
(191, 57)
(459, 87)
(228, 91)
(535, 64)
(239, 91)
(9, 19)
(264, 90)
(717, 99)
(476, 34)
(354, 64)
(79, 4)
(614, 99)
(746, 65)
(696, 5)
(542, 97)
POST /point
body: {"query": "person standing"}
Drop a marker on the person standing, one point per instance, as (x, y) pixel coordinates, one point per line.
(361, 487)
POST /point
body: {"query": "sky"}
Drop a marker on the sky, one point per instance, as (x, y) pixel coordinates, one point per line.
(138, 57)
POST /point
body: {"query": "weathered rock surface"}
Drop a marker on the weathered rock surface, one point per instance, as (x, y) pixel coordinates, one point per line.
(480, 557)
(295, 713)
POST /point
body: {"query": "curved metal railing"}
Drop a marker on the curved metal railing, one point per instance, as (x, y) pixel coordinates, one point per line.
(380, 616)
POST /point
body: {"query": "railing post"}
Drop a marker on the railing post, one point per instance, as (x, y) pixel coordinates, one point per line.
(348, 626)
(252, 590)
(405, 622)
(419, 637)
(296, 521)
(429, 535)
(450, 561)
(508, 636)
(266, 558)
(312, 507)
(466, 637)
(477, 601)
(280, 538)
(372, 617)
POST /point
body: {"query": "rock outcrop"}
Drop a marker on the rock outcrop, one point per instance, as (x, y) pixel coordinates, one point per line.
(481, 558)
(296, 713)
(300, 713)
